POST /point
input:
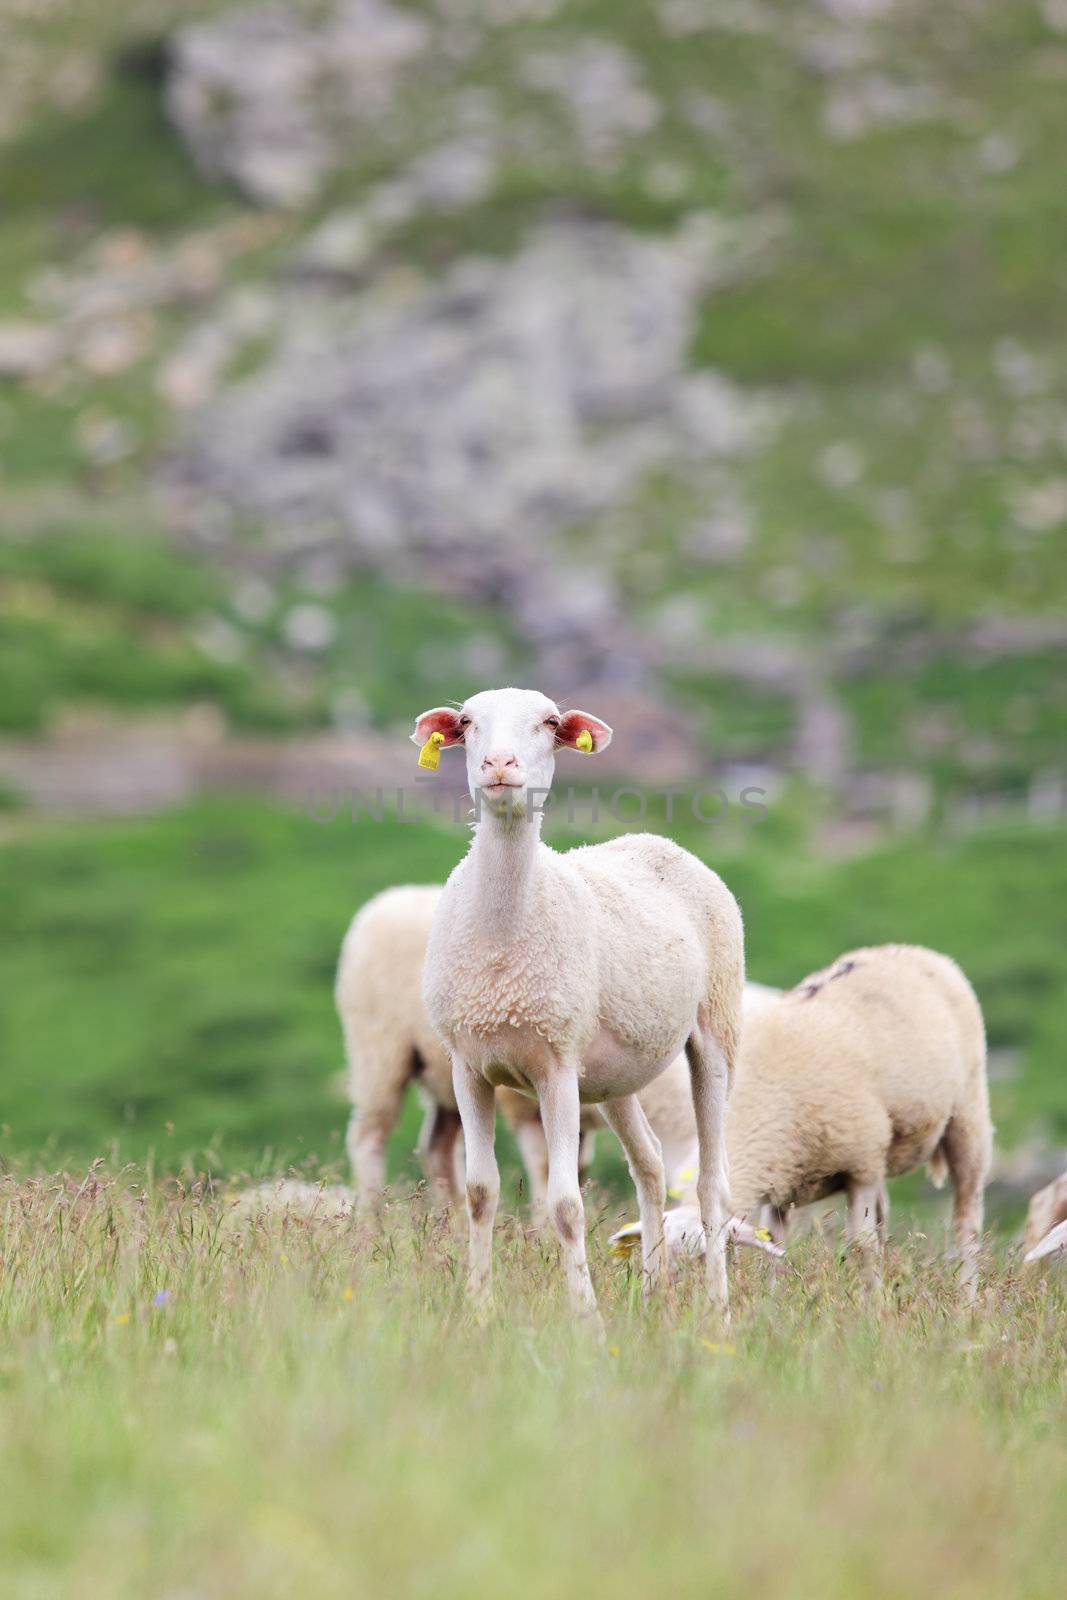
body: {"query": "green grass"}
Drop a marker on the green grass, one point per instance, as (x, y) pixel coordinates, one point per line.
(113, 163)
(132, 571)
(111, 615)
(94, 615)
(120, 160)
(167, 982)
(196, 1402)
(397, 645)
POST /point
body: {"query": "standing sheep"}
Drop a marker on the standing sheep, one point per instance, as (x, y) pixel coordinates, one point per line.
(863, 1072)
(577, 977)
(389, 1043)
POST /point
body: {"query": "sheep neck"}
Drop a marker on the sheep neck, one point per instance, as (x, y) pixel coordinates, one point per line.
(504, 856)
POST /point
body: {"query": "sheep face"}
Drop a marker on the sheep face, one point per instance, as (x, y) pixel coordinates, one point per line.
(510, 737)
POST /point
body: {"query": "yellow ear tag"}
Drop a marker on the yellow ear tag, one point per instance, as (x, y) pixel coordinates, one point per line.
(430, 754)
(584, 741)
(627, 1241)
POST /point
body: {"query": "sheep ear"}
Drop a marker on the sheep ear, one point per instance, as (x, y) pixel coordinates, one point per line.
(443, 720)
(1053, 1244)
(627, 1241)
(742, 1232)
(579, 731)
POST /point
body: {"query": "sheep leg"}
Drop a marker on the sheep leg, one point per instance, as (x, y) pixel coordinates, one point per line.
(368, 1133)
(861, 1227)
(533, 1148)
(586, 1152)
(477, 1109)
(881, 1214)
(561, 1118)
(644, 1157)
(967, 1153)
(709, 1075)
(437, 1152)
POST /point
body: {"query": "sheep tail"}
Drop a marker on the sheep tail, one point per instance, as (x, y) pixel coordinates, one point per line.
(937, 1167)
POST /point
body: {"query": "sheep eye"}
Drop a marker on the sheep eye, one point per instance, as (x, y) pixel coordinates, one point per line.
(464, 722)
(553, 722)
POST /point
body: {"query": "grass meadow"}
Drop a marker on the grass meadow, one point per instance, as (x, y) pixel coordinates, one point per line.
(202, 1401)
(167, 980)
(199, 1401)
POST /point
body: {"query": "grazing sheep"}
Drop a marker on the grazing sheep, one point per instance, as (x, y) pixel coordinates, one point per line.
(577, 977)
(1048, 1210)
(1052, 1247)
(389, 1043)
(862, 1072)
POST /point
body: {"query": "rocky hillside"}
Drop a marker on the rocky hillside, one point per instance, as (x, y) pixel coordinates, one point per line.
(708, 358)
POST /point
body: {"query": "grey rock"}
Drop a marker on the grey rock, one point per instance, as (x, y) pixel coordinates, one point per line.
(459, 172)
(452, 435)
(268, 98)
(457, 432)
(27, 349)
(601, 86)
(860, 105)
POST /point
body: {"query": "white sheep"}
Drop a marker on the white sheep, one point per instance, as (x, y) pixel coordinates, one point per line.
(863, 1072)
(668, 1105)
(390, 1044)
(577, 977)
(1046, 1216)
(1052, 1247)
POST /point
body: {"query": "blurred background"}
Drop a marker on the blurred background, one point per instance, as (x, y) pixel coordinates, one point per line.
(700, 362)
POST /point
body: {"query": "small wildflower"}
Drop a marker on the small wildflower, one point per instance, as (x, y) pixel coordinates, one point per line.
(284, 1259)
(347, 1294)
(170, 1347)
(613, 1349)
(121, 1320)
(161, 1297)
(719, 1349)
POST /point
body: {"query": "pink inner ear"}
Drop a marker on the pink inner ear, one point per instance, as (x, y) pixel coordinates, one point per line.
(572, 723)
(443, 720)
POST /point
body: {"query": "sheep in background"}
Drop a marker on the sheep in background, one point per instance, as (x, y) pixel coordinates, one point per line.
(579, 977)
(864, 1071)
(389, 1043)
(1047, 1213)
(668, 1105)
(1052, 1247)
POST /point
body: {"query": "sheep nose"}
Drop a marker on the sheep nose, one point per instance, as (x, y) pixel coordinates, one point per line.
(498, 762)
